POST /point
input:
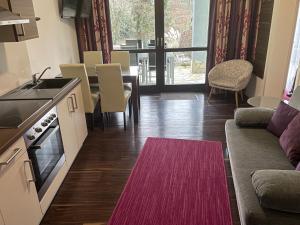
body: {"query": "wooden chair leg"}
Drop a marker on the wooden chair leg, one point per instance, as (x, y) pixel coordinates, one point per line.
(92, 121)
(102, 119)
(130, 107)
(107, 118)
(237, 99)
(242, 95)
(210, 93)
(124, 118)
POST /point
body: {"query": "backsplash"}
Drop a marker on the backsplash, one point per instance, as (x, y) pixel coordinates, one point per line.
(14, 66)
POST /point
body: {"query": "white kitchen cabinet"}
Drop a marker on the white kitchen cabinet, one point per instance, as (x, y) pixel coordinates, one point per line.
(71, 116)
(1, 219)
(79, 116)
(19, 200)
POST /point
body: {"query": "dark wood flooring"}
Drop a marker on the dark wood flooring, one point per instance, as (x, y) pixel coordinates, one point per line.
(98, 175)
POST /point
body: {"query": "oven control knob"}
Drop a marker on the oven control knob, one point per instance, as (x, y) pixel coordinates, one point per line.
(48, 121)
(38, 130)
(53, 115)
(50, 118)
(31, 137)
(44, 124)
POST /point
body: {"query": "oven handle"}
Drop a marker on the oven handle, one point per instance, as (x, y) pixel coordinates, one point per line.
(33, 179)
(11, 158)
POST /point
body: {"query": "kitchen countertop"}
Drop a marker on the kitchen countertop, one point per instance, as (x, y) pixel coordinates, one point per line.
(9, 136)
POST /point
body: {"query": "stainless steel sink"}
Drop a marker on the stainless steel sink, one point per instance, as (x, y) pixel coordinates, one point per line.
(52, 83)
(28, 86)
(44, 89)
(48, 84)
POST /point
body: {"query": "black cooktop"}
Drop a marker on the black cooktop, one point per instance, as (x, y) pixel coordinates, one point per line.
(14, 113)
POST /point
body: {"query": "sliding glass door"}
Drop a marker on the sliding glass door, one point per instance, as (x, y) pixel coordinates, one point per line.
(167, 40)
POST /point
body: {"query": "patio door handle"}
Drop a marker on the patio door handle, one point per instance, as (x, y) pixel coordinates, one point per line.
(157, 42)
(162, 42)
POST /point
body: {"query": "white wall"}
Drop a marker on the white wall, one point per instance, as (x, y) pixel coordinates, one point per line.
(57, 44)
(279, 51)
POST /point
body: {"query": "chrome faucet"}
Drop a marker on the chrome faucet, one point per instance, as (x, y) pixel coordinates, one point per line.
(36, 80)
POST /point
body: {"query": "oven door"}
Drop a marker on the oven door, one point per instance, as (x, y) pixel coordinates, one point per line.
(47, 156)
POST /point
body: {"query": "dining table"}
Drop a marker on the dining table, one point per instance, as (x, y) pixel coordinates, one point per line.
(129, 76)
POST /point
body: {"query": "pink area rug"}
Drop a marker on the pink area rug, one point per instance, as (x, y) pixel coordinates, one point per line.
(176, 182)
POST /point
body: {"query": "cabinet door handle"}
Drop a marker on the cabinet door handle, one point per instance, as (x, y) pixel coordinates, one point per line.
(11, 158)
(72, 104)
(23, 31)
(75, 100)
(22, 27)
(31, 170)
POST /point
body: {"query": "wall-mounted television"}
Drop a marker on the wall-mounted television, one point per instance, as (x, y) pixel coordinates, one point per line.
(75, 8)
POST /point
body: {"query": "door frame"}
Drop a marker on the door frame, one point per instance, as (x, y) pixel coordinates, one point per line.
(160, 52)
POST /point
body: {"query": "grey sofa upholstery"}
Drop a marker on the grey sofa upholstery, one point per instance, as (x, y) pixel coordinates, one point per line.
(253, 149)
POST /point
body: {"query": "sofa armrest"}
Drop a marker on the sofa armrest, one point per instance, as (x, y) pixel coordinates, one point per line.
(253, 117)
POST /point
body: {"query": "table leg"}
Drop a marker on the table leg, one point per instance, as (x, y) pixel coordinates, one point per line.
(135, 100)
(138, 90)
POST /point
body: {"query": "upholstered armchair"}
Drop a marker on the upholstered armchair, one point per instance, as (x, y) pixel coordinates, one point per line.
(232, 75)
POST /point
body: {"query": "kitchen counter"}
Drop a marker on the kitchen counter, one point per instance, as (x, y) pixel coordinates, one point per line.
(9, 136)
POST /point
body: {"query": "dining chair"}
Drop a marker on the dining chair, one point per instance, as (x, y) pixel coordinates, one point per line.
(113, 96)
(90, 59)
(90, 96)
(122, 57)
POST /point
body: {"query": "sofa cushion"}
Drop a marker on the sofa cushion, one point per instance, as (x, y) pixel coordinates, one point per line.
(290, 141)
(281, 119)
(278, 189)
(253, 117)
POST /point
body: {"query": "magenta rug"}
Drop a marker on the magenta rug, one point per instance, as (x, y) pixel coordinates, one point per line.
(176, 182)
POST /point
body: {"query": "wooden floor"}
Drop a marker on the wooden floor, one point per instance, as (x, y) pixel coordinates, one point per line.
(98, 175)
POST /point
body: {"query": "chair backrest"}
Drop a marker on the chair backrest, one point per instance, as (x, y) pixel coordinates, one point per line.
(235, 68)
(122, 57)
(78, 70)
(90, 59)
(295, 99)
(111, 87)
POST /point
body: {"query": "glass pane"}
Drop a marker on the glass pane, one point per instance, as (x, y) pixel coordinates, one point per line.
(186, 23)
(185, 67)
(146, 63)
(132, 24)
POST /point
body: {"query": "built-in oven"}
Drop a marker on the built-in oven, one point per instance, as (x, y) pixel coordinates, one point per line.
(45, 150)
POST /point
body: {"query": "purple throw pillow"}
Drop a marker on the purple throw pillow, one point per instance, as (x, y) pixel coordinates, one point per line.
(283, 115)
(298, 167)
(290, 141)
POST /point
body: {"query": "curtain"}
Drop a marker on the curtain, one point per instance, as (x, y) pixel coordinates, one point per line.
(232, 30)
(94, 33)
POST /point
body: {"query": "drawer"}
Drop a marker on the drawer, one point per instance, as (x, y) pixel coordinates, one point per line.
(8, 158)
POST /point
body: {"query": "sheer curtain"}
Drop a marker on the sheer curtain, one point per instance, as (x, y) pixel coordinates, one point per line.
(295, 59)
